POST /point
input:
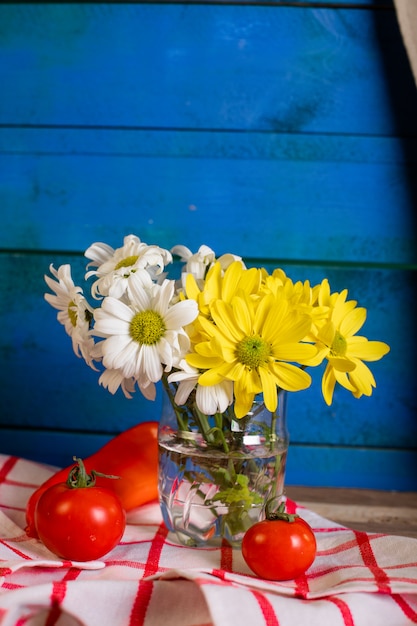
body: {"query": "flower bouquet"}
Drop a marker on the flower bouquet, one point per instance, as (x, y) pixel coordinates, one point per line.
(227, 342)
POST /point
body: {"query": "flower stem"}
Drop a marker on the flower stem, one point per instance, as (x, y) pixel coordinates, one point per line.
(181, 423)
(219, 424)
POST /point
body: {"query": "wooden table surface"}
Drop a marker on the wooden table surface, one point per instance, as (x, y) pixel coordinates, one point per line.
(391, 512)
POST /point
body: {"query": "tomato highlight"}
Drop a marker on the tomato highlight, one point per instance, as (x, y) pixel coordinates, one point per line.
(281, 547)
(132, 456)
(78, 521)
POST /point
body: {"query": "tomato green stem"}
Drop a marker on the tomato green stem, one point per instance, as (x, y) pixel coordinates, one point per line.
(78, 478)
(280, 513)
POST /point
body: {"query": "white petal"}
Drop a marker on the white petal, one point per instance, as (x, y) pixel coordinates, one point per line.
(116, 308)
(184, 390)
(182, 251)
(148, 389)
(151, 363)
(109, 325)
(140, 295)
(224, 392)
(181, 314)
(206, 400)
(99, 253)
(165, 352)
(162, 296)
(118, 352)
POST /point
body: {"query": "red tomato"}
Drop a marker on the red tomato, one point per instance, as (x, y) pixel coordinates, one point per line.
(132, 456)
(79, 523)
(279, 548)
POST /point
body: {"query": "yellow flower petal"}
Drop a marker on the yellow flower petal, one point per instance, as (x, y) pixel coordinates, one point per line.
(270, 313)
(361, 348)
(344, 379)
(342, 365)
(242, 315)
(223, 317)
(327, 333)
(210, 377)
(295, 352)
(290, 377)
(362, 378)
(203, 362)
(328, 383)
(269, 389)
(243, 404)
(191, 287)
(352, 322)
(244, 398)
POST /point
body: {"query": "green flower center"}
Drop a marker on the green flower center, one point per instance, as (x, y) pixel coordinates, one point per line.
(339, 345)
(147, 327)
(72, 313)
(253, 351)
(127, 262)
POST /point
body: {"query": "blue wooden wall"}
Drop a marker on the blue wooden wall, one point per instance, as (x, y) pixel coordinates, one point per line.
(284, 132)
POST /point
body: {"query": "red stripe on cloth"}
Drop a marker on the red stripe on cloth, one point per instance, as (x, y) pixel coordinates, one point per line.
(290, 506)
(405, 607)
(342, 547)
(72, 574)
(15, 550)
(331, 529)
(381, 578)
(5, 571)
(144, 593)
(301, 587)
(344, 610)
(59, 589)
(226, 557)
(266, 608)
(7, 467)
(154, 554)
(11, 586)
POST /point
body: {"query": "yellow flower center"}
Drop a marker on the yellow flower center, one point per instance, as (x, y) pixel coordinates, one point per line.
(253, 351)
(339, 345)
(72, 313)
(147, 327)
(127, 262)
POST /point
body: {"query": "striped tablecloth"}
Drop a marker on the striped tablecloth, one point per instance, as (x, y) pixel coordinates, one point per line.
(357, 579)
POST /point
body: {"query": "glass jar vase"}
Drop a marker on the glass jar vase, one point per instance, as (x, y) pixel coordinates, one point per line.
(216, 473)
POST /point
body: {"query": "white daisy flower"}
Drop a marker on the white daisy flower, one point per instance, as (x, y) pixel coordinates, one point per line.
(142, 336)
(196, 263)
(75, 313)
(135, 262)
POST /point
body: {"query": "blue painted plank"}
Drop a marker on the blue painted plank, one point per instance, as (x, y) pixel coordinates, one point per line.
(363, 468)
(248, 67)
(188, 143)
(335, 211)
(367, 468)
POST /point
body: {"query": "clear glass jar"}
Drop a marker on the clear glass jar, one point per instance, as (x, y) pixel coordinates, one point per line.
(217, 473)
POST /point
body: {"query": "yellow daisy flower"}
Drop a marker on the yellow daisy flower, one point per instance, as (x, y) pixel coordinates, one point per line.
(253, 342)
(344, 350)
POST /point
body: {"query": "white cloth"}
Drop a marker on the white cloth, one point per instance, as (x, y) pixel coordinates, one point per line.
(357, 579)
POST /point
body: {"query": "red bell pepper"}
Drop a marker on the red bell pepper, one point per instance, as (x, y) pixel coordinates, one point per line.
(132, 456)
